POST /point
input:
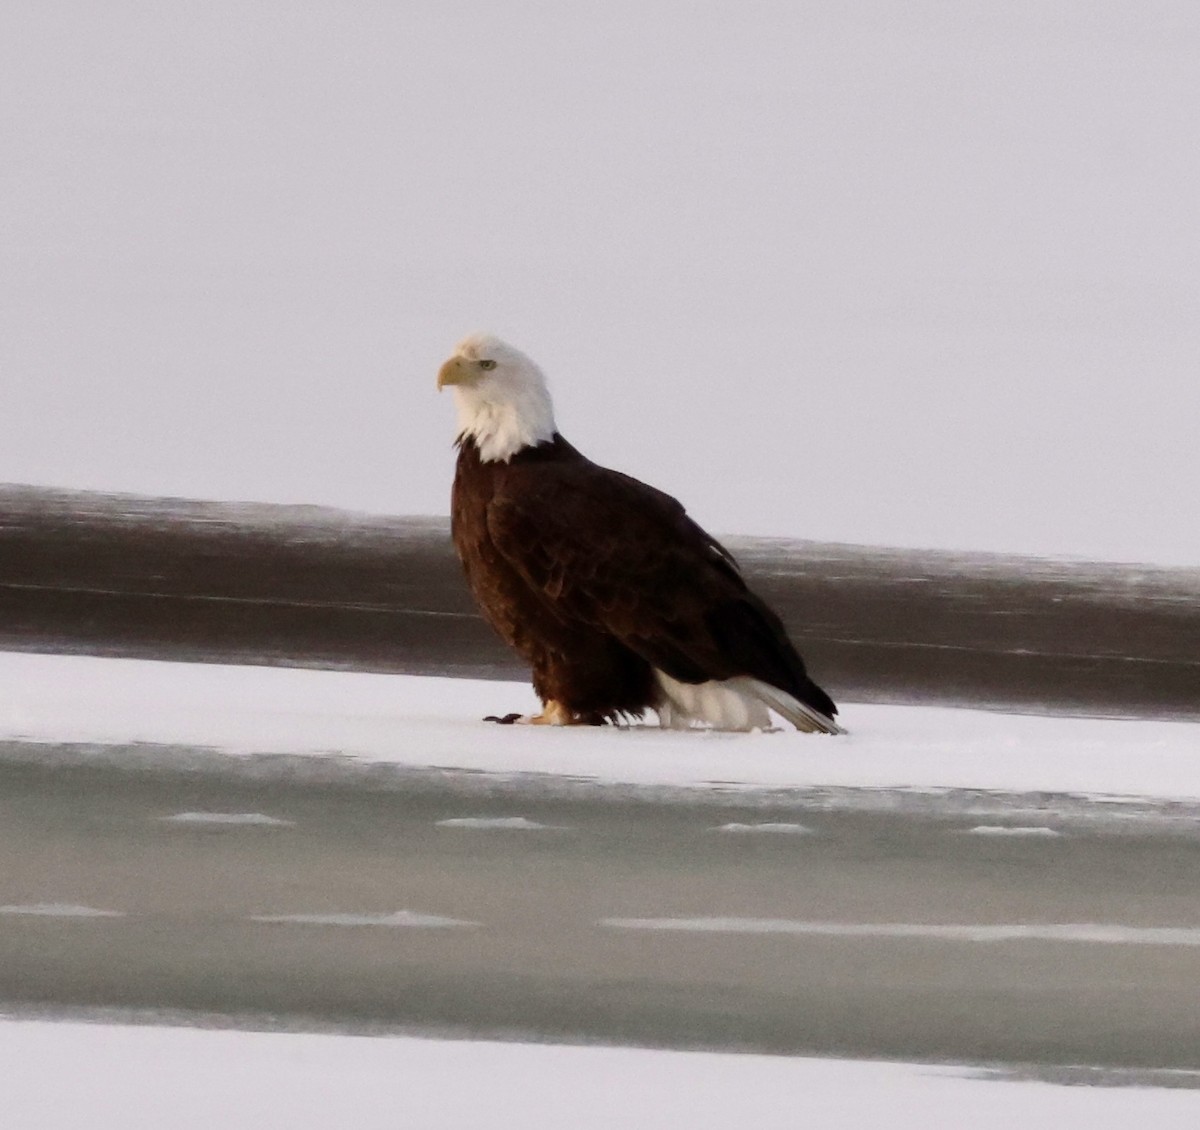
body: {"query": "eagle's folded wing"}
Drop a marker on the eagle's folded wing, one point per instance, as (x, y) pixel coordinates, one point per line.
(602, 549)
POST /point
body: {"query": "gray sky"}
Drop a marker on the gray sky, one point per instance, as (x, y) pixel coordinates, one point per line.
(901, 273)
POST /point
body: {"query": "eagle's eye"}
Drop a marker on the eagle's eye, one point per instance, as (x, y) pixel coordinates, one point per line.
(487, 364)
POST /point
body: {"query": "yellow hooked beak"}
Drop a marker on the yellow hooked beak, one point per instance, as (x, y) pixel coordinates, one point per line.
(456, 371)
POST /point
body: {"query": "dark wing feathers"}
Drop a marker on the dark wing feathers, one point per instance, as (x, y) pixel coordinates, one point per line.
(607, 550)
(749, 629)
(602, 547)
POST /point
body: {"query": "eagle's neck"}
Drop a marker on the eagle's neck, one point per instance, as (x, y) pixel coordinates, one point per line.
(509, 417)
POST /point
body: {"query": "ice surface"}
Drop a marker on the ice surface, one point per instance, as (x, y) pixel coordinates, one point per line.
(766, 827)
(500, 823)
(112, 1077)
(1000, 830)
(401, 919)
(234, 819)
(59, 910)
(104, 704)
(1088, 932)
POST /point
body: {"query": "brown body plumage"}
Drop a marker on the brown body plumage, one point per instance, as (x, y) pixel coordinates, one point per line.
(598, 581)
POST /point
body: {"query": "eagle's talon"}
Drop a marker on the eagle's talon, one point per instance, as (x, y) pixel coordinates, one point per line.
(507, 720)
(553, 714)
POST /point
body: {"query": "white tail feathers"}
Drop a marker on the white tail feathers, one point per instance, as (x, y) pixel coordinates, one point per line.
(800, 714)
(740, 703)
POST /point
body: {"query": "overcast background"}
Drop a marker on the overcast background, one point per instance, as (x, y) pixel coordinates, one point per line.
(916, 274)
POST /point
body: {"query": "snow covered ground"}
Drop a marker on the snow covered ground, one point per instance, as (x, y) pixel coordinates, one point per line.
(105, 1077)
(432, 722)
(70, 1074)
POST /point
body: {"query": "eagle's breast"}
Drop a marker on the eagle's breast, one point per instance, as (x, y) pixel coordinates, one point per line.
(503, 595)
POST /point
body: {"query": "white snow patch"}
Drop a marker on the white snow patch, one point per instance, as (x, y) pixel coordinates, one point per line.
(398, 919)
(74, 1075)
(778, 828)
(251, 819)
(1002, 830)
(498, 823)
(1050, 932)
(435, 722)
(60, 910)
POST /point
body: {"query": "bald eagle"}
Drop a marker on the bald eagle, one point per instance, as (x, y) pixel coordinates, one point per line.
(609, 591)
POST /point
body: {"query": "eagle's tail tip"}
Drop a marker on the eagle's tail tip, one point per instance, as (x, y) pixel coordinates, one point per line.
(805, 718)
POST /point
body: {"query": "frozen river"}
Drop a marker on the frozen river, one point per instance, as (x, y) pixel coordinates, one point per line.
(318, 849)
(793, 928)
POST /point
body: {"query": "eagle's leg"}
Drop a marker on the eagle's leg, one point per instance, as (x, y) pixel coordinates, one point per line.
(554, 713)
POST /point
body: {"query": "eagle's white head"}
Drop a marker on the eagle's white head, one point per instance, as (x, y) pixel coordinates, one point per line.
(503, 403)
